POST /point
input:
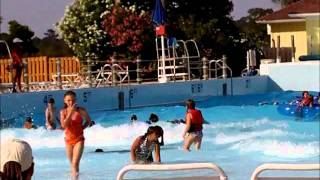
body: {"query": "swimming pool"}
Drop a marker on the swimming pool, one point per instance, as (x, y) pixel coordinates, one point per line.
(241, 135)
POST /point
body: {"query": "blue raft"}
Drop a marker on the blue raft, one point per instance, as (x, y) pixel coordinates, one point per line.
(297, 111)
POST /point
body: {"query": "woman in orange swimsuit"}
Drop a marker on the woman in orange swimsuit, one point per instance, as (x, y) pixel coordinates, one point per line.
(71, 118)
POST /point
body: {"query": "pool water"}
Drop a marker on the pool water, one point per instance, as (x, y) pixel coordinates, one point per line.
(242, 134)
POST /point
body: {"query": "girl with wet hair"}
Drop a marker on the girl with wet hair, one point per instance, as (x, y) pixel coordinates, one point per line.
(143, 146)
(72, 117)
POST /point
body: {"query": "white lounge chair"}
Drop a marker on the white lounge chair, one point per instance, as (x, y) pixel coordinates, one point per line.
(286, 167)
(174, 167)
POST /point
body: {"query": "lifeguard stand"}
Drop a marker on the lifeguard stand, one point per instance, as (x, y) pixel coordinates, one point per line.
(173, 57)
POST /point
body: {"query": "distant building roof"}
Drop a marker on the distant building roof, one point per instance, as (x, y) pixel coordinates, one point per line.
(285, 14)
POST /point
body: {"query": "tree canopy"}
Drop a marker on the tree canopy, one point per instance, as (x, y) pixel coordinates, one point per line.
(284, 2)
(254, 35)
(23, 32)
(93, 30)
(81, 28)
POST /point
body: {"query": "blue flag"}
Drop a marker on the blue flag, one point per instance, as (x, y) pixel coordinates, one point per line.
(158, 14)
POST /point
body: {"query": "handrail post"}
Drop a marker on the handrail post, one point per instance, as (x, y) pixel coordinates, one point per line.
(59, 79)
(224, 66)
(205, 68)
(89, 72)
(139, 70)
(113, 72)
(25, 74)
(248, 60)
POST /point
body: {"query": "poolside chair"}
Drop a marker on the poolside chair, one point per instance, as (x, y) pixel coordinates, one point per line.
(105, 74)
(286, 167)
(174, 167)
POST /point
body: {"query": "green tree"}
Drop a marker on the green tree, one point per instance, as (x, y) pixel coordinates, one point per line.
(81, 28)
(51, 34)
(207, 22)
(284, 2)
(51, 45)
(24, 33)
(254, 35)
(195, 19)
(20, 31)
(128, 30)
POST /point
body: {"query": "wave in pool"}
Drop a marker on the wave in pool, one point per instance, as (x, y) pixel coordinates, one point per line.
(263, 136)
(283, 149)
(97, 136)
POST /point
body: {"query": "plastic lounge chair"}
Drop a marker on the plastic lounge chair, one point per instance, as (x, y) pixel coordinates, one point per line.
(174, 167)
(285, 167)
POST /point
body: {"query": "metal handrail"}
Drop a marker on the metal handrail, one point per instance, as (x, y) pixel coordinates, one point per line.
(171, 167)
(291, 167)
(186, 53)
(218, 65)
(195, 45)
(244, 71)
(9, 52)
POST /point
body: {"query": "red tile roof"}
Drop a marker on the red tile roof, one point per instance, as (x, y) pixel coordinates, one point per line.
(299, 7)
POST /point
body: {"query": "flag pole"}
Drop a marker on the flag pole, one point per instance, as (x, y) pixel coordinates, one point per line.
(163, 54)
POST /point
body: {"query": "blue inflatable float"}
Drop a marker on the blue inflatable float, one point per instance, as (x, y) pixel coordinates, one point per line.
(297, 111)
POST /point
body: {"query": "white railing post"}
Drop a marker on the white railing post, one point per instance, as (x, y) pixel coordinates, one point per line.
(205, 68)
(89, 72)
(59, 79)
(224, 66)
(139, 70)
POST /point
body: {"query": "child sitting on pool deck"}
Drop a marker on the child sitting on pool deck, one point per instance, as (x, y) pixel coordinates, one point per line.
(142, 147)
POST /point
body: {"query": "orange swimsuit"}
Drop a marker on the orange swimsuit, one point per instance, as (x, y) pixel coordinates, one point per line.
(74, 132)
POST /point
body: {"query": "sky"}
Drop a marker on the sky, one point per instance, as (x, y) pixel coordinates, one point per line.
(41, 15)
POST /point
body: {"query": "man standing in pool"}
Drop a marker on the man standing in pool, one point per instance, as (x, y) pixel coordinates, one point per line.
(193, 130)
(71, 117)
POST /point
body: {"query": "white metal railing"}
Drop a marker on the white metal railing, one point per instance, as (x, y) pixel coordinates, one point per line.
(101, 77)
(172, 167)
(250, 72)
(193, 56)
(290, 167)
(219, 65)
(170, 55)
(8, 49)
